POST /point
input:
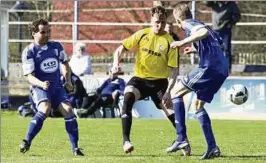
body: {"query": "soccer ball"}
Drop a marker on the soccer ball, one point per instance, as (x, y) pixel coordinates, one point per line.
(238, 94)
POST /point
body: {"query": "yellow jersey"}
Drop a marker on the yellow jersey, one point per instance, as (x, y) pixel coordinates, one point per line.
(154, 56)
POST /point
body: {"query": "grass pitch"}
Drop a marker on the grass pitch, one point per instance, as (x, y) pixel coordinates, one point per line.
(101, 140)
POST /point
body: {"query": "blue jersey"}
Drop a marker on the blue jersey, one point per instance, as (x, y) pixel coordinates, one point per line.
(209, 49)
(110, 85)
(44, 62)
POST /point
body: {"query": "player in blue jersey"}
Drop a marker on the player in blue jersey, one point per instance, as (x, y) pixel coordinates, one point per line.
(41, 64)
(205, 80)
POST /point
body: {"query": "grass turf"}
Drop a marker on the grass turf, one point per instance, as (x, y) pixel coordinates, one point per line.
(101, 140)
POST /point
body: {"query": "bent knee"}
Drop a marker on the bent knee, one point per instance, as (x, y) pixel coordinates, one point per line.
(133, 90)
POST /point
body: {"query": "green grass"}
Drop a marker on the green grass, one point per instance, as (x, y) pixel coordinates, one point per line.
(101, 139)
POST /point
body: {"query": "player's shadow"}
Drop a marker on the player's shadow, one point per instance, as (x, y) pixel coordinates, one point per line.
(242, 157)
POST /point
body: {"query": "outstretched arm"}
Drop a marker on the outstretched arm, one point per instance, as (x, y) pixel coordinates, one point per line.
(117, 57)
(196, 35)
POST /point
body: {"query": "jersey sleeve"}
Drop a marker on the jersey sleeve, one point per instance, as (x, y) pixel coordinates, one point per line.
(28, 66)
(62, 54)
(192, 26)
(132, 41)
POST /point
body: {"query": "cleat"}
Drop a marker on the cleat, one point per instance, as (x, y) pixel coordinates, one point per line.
(177, 146)
(186, 151)
(128, 147)
(77, 152)
(24, 146)
(215, 152)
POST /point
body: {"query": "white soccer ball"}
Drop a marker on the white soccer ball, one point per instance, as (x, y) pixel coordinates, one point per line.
(238, 94)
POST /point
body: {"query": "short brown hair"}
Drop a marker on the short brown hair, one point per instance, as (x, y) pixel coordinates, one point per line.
(182, 11)
(34, 26)
(158, 10)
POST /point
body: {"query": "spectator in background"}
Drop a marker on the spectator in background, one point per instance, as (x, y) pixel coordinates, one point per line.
(169, 29)
(80, 61)
(225, 14)
(108, 93)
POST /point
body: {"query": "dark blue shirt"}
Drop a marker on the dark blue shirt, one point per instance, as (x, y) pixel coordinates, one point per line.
(211, 55)
(110, 85)
(44, 62)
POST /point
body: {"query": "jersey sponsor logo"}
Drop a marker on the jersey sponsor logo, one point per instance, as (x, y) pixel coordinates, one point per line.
(161, 47)
(49, 65)
(151, 52)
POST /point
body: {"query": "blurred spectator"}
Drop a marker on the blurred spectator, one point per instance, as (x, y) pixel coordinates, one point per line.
(107, 94)
(225, 14)
(80, 61)
(169, 29)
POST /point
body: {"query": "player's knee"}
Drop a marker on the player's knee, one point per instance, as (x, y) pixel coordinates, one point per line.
(133, 90)
(45, 107)
(198, 104)
(129, 99)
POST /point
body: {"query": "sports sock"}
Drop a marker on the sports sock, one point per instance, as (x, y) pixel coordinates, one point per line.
(72, 130)
(126, 117)
(180, 119)
(205, 123)
(35, 126)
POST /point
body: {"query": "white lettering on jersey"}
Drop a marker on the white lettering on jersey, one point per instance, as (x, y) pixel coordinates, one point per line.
(49, 65)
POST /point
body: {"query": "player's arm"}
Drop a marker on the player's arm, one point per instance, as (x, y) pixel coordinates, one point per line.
(28, 67)
(117, 57)
(172, 79)
(65, 68)
(66, 72)
(36, 82)
(196, 35)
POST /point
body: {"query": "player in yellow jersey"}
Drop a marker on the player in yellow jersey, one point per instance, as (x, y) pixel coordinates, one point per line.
(155, 63)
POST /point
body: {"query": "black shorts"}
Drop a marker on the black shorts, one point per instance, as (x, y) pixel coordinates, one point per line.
(153, 88)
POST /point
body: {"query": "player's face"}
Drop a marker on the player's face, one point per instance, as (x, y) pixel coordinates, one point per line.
(158, 23)
(43, 35)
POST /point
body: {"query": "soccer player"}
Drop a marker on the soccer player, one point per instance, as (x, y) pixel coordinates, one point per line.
(40, 62)
(205, 80)
(155, 63)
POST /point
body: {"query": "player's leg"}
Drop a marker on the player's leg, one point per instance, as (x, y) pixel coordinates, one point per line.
(157, 90)
(60, 100)
(41, 99)
(71, 126)
(131, 94)
(206, 95)
(181, 142)
(205, 123)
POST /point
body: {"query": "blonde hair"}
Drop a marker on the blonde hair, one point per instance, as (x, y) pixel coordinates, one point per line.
(182, 11)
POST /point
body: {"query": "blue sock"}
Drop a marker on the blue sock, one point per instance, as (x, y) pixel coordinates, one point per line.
(35, 126)
(205, 123)
(180, 119)
(72, 130)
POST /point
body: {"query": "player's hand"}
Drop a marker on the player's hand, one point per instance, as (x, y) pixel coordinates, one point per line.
(116, 69)
(187, 50)
(45, 85)
(69, 87)
(176, 44)
(167, 100)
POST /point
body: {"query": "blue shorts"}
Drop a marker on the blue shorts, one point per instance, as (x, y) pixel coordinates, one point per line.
(204, 82)
(55, 96)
